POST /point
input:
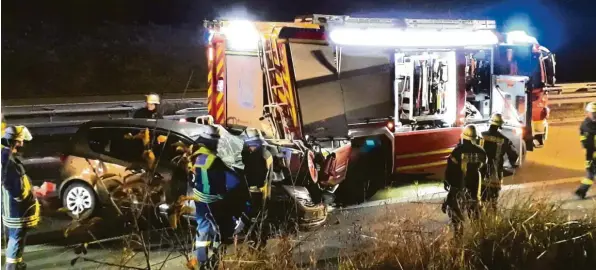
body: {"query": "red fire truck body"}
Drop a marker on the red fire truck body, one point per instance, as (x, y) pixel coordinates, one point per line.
(400, 89)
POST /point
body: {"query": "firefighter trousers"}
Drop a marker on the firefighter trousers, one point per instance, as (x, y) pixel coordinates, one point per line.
(588, 181)
(490, 195)
(214, 227)
(15, 248)
(459, 201)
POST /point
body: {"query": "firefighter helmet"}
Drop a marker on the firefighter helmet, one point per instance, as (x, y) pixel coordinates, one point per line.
(591, 107)
(497, 119)
(17, 133)
(152, 98)
(470, 133)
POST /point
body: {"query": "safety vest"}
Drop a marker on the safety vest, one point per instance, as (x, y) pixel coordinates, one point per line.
(20, 208)
(208, 181)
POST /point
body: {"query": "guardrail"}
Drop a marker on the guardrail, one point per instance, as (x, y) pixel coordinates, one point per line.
(67, 115)
(572, 87)
(76, 113)
(571, 98)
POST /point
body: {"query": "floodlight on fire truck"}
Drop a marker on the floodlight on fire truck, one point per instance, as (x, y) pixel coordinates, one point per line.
(392, 37)
(520, 37)
(241, 35)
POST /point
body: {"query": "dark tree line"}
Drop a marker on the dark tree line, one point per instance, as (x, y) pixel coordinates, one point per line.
(46, 60)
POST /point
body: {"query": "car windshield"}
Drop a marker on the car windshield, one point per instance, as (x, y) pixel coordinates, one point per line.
(229, 147)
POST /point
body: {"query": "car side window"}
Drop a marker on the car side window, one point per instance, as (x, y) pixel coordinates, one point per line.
(113, 142)
(166, 151)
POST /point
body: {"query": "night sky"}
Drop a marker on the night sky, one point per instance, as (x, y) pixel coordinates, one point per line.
(567, 27)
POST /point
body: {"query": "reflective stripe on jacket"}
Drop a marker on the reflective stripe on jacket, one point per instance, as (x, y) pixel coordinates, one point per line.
(20, 208)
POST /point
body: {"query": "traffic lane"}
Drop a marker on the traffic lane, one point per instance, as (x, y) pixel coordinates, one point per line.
(561, 157)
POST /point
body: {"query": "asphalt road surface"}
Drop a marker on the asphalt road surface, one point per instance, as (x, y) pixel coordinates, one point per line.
(559, 165)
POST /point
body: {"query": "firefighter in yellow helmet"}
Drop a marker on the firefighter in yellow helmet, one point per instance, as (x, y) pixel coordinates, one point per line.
(20, 208)
(151, 109)
(496, 145)
(463, 178)
(587, 132)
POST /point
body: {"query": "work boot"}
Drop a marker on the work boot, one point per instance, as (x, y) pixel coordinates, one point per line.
(21, 266)
(581, 192)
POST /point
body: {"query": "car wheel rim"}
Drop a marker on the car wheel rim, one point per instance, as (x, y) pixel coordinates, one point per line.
(78, 200)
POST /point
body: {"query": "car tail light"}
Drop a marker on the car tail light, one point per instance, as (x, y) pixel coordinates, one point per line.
(63, 158)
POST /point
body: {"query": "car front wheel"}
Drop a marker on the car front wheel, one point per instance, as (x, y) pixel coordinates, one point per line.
(79, 200)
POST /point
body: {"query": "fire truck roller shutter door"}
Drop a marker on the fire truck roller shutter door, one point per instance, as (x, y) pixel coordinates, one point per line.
(367, 83)
(244, 90)
(319, 92)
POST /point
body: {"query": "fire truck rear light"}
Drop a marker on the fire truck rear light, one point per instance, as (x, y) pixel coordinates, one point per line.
(391, 37)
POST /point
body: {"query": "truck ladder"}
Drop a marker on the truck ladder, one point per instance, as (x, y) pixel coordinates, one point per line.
(271, 56)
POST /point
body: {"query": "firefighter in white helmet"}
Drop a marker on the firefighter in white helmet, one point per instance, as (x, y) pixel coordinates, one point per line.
(496, 145)
(151, 109)
(463, 178)
(588, 138)
(20, 208)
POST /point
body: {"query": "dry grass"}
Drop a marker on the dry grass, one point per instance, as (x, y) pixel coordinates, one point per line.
(534, 234)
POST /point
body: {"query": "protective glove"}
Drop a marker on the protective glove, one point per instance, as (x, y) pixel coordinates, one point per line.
(446, 186)
(444, 207)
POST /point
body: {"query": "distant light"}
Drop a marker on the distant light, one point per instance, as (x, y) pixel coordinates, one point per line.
(520, 37)
(392, 37)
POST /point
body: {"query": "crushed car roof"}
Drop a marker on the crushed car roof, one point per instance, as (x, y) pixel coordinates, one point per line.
(184, 128)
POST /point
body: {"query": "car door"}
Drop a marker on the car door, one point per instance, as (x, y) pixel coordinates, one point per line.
(175, 178)
(115, 153)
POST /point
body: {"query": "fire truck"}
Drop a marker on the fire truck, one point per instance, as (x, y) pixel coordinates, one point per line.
(375, 97)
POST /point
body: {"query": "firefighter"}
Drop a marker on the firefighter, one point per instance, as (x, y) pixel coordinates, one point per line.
(496, 145)
(258, 170)
(20, 208)
(588, 138)
(151, 109)
(463, 179)
(219, 198)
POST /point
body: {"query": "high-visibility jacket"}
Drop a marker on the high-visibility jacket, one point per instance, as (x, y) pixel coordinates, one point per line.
(20, 208)
(587, 132)
(465, 168)
(214, 182)
(496, 146)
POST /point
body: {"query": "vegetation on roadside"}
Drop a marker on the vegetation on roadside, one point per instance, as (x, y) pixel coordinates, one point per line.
(533, 234)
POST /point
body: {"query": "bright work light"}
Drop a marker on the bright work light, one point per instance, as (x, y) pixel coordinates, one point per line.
(520, 37)
(392, 37)
(241, 35)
